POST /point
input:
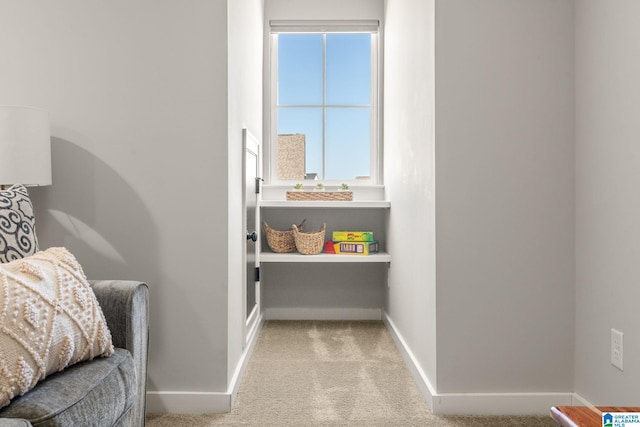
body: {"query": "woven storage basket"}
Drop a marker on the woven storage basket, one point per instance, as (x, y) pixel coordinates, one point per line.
(320, 195)
(281, 240)
(309, 243)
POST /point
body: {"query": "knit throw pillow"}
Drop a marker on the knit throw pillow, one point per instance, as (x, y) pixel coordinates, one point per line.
(49, 319)
(17, 224)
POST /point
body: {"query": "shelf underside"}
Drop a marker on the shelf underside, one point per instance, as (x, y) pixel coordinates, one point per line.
(296, 257)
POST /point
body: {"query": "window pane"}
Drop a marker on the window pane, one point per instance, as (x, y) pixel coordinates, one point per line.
(348, 69)
(299, 143)
(299, 69)
(348, 143)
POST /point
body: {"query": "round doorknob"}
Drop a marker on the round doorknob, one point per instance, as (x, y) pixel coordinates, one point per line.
(252, 236)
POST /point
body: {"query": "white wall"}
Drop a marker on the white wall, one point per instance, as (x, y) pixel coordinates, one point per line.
(504, 196)
(607, 204)
(137, 94)
(409, 158)
(245, 19)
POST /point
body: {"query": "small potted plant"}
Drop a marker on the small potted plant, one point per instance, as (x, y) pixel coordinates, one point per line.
(343, 187)
(297, 187)
(319, 187)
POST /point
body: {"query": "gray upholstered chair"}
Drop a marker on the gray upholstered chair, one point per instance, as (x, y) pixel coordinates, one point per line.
(105, 391)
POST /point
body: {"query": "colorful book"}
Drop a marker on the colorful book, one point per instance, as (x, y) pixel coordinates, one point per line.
(353, 236)
(351, 248)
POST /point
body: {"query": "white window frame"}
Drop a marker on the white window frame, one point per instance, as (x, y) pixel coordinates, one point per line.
(310, 26)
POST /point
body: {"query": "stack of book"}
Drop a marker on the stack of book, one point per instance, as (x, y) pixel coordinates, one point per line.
(352, 243)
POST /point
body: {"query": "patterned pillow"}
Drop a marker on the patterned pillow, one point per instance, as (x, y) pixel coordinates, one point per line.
(17, 224)
(49, 319)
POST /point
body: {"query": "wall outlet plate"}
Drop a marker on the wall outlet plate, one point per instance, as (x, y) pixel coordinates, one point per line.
(617, 348)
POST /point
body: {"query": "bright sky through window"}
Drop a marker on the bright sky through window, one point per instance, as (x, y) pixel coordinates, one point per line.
(324, 92)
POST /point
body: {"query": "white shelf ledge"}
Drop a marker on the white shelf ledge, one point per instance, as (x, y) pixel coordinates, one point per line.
(325, 204)
(296, 257)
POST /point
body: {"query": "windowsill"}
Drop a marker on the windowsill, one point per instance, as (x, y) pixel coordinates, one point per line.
(361, 193)
(325, 204)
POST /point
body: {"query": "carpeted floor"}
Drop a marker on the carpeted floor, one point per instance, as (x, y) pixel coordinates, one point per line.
(330, 374)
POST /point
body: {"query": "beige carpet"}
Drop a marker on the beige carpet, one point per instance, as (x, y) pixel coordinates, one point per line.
(330, 374)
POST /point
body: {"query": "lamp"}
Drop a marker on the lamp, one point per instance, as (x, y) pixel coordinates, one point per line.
(25, 146)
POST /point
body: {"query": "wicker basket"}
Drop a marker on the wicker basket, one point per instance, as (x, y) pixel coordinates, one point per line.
(309, 243)
(320, 195)
(281, 241)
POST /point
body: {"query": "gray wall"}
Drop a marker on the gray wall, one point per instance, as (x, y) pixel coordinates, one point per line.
(137, 94)
(504, 195)
(607, 204)
(491, 308)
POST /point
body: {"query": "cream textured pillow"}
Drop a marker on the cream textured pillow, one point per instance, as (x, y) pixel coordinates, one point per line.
(49, 319)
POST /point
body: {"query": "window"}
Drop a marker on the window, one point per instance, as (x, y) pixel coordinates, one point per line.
(324, 102)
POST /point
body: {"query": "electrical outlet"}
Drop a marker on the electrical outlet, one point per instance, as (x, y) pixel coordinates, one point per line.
(617, 348)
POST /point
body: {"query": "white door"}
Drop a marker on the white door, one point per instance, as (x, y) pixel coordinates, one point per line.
(252, 223)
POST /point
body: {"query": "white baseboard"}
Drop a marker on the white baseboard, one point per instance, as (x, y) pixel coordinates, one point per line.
(578, 400)
(276, 313)
(423, 383)
(475, 403)
(252, 339)
(197, 402)
(498, 403)
(440, 403)
(188, 402)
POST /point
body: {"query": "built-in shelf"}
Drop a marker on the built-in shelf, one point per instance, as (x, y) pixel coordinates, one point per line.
(296, 257)
(272, 257)
(295, 204)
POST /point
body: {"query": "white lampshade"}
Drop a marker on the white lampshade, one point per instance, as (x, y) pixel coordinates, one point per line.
(25, 146)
